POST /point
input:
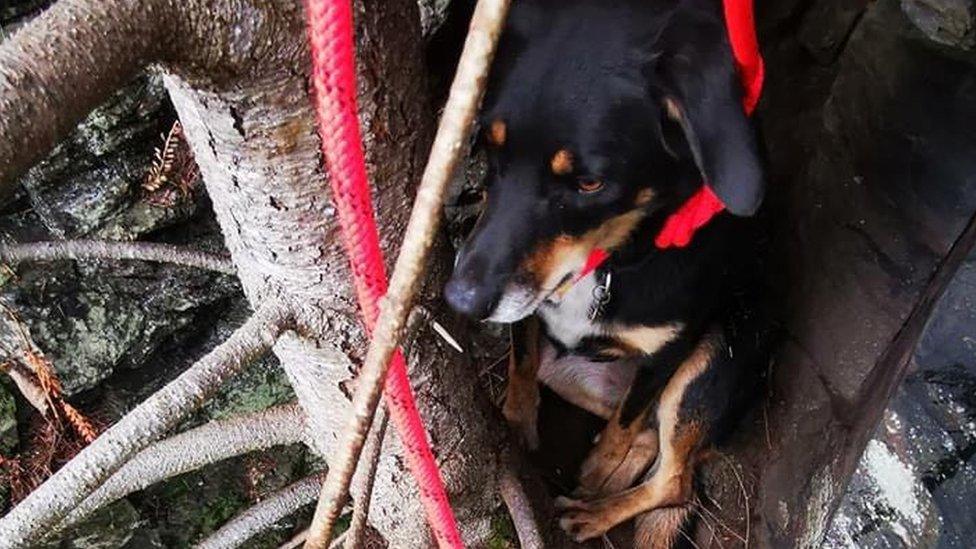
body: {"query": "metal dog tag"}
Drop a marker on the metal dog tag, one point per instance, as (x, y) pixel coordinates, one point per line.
(601, 296)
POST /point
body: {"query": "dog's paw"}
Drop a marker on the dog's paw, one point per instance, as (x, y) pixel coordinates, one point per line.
(582, 521)
(521, 410)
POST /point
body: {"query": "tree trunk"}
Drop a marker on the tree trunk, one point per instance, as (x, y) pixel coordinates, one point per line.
(254, 138)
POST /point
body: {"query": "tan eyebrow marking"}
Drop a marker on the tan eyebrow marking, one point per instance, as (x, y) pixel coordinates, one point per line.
(562, 162)
(644, 197)
(497, 132)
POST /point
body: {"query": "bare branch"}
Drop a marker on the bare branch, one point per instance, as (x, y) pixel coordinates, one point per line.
(362, 491)
(196, 448)
(96, 249)
(449, 145)
(265, 514)
(64, 63)
(519, 507)
(52, 501)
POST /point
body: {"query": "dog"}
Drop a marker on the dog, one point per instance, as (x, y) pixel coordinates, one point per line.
(601, 118)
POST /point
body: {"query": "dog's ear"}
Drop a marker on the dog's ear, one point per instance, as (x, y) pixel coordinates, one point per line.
(701, 91)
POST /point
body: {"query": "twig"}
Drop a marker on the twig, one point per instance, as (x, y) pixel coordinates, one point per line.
(103, 249)
(363, 488)
(449, 144)
(195, 448)
(264, 514)
(519, 507)
(440, 330)
(745, 497)
(718, 521)
(52, 501)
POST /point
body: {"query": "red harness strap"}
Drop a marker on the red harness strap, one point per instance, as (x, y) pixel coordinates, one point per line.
(697, 211)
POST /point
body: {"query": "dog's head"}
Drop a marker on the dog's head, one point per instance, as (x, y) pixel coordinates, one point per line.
(598, 115)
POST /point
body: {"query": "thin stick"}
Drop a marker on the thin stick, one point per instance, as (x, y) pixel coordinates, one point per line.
(363, 490)
(519, 508)
(449, 144)
(34, 517)
(265, 514)
(100, 249)
(192, 449)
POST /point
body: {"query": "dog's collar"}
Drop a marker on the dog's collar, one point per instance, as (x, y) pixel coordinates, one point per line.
(678, 230)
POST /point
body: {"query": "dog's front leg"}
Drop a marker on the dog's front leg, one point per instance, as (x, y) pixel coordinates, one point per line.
(628, 444)
(521, 407)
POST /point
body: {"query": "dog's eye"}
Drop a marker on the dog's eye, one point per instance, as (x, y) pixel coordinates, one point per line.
(589, 186)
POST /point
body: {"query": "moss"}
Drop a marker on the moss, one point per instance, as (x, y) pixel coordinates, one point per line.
(8, 421)
(258, 387)
(186, 509)
(502, 532)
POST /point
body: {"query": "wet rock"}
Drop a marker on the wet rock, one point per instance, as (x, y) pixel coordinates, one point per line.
(93, 320)
(91, 183)
(915, 481)
(949, 22)
(871, 185)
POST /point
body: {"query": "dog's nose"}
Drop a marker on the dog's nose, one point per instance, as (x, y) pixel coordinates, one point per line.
(467, 297)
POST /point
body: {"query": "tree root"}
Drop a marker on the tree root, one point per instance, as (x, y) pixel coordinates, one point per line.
(95, 249)
(43, 509)
(264, 514)
(519, 507)
(195, 448)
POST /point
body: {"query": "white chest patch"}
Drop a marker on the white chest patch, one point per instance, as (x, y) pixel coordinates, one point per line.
(568, 321)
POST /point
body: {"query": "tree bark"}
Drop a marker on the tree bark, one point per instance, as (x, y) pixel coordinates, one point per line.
(255, 142)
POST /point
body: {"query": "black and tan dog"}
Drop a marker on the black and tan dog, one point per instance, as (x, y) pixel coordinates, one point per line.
(601, 119)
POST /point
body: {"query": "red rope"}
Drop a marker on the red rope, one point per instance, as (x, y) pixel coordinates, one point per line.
(680, 227)
(330, 30)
